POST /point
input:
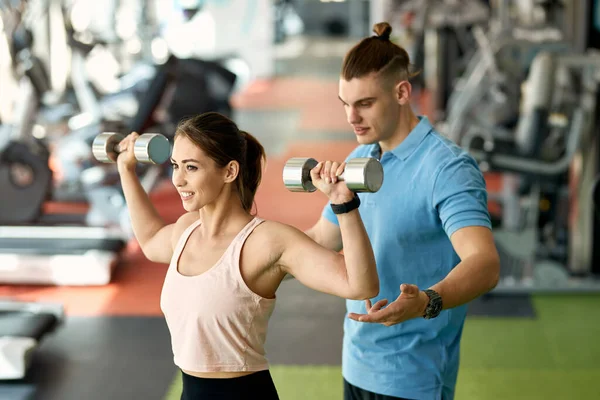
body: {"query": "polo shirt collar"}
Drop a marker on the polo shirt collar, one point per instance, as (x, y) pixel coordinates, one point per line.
(408, 145)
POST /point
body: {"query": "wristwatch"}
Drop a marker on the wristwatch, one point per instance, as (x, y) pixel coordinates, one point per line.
(434, 307)
(346, 207)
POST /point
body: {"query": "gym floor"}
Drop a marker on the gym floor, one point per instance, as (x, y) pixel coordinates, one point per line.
(114, 343)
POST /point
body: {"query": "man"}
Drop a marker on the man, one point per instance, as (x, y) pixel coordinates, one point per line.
(430, 230)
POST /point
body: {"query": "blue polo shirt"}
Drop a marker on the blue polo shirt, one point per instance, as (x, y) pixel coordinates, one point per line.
(431, 188)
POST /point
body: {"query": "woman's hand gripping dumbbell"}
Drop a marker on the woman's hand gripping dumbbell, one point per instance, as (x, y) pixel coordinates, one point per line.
(359, 174)
(149, 148)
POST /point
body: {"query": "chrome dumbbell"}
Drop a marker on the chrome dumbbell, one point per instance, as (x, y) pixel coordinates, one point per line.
(149, 148)
(360, 174)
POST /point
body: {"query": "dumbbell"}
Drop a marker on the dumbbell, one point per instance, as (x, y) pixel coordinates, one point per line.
(149, 148)
(360, 174)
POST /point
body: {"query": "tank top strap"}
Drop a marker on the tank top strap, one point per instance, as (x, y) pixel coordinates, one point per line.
(184, 238)
(239, 241)
(250, 228)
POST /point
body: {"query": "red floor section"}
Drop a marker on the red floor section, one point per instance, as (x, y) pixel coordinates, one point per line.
(315, 99)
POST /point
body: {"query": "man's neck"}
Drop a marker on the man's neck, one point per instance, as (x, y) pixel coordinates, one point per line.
(407, 122)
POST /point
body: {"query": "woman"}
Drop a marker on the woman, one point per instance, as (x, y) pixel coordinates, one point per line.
(226, 264)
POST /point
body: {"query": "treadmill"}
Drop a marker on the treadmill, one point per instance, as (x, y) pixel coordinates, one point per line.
(59, 255)
(23, 326)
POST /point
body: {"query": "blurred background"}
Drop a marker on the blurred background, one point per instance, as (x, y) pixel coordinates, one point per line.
(515, 83)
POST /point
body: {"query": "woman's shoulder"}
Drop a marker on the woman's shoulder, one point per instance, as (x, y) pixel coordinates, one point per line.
(275, 231)
(270, 239)
(184, 222)
(187, 219)
(270, 226)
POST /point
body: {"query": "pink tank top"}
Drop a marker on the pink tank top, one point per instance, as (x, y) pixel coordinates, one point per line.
(216, 322)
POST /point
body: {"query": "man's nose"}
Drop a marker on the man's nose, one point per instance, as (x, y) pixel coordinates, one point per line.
(353, 116)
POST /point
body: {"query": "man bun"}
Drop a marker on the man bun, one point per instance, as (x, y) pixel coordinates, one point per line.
(382, 30)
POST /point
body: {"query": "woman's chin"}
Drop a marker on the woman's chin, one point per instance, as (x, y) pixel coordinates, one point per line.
(190, 206)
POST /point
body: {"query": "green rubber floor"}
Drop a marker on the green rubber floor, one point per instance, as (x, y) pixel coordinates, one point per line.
(554, 356)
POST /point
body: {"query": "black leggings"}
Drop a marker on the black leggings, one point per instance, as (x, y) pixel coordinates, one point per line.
(258, 385)
(352, 392)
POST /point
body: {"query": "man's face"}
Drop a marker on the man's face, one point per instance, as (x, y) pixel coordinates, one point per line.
(371, 107)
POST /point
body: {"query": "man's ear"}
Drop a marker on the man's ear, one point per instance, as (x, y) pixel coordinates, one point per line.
(402, 91)
(232, 170)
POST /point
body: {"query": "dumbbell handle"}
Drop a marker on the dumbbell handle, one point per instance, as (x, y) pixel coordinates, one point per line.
(342, 176)
(116, 147)
(360, 174)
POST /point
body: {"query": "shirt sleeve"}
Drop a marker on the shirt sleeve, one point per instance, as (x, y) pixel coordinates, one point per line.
(460, 195)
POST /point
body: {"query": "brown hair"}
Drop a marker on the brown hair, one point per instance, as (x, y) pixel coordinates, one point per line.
(377, 54)
(222, 140)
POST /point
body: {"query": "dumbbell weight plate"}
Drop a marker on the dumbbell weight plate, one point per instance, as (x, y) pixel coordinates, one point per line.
(152, 148)
(103, 146)
(296, 174)
(363, 175)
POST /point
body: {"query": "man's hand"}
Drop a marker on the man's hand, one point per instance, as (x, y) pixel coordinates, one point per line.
(410, 304)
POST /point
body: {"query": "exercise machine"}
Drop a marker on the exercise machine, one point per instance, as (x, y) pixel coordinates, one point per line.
(443, 43)
(489, 90)
(23, 327)
(32, 249)
(551, 163)
(31, 239)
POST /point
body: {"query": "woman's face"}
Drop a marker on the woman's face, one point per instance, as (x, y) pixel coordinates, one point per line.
(196, 176)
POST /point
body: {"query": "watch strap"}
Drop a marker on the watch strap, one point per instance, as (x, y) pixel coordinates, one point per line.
(435, 305)
(346, 207)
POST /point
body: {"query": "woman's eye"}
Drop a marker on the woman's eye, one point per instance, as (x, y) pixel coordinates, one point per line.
(174, 166)
(191, 168)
